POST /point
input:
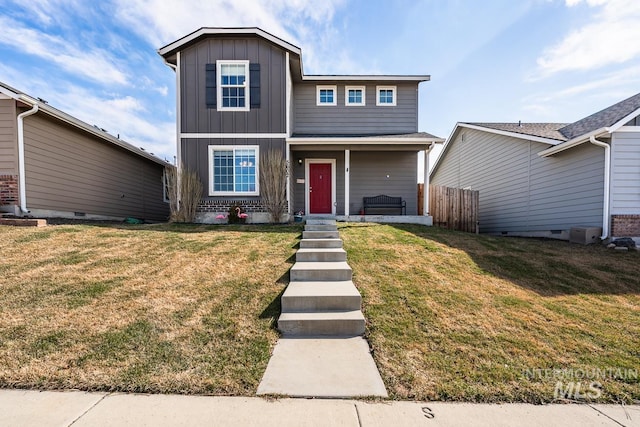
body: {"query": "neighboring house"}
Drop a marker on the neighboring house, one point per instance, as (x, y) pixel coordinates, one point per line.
(243, 91)
(542, 179)
(53, 165)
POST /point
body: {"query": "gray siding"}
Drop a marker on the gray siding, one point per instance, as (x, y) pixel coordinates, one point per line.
(298, 170)
(8, 138)
(369, 171)
(70, 171)
(368, 119)
(633, 122)
(521, 191)
(625, 173)
(195, 156)
(197, 118)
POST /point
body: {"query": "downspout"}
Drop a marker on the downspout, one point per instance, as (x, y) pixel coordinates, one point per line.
(21, 167)
(607, 167)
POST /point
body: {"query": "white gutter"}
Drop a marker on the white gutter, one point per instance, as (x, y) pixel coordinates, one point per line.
(21, 171)
(607, 168)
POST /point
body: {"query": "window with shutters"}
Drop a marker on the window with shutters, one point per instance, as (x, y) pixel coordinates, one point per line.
(233, 85)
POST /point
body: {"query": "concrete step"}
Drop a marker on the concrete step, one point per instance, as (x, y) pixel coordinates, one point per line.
(320, 222)
(320, 243)
(320, 271)
(321, 254)
(336, 323)
(321, 296)
(320, 235)
(320, 227)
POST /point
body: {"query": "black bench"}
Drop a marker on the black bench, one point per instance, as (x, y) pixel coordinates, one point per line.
(384, 202)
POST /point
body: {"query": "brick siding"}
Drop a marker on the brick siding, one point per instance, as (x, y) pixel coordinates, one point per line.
(625, 225)
(223, 205)
(8, 190)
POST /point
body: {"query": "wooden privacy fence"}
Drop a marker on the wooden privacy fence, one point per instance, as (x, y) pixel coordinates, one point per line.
(453, 208)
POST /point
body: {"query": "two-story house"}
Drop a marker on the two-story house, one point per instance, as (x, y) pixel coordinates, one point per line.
(242, 90)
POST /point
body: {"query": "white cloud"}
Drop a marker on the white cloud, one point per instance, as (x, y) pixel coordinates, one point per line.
(91, 63)
(128, 116)
(306, 24)
(611, 38)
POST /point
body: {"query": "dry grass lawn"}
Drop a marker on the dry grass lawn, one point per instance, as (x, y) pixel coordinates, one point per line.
(455, 316)
(151, 308)
(191, 309)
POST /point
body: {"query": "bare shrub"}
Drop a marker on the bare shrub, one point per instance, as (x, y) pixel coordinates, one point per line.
(273, 183)
(185, 192)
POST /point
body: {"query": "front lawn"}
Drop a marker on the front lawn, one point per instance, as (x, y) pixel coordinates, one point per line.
(151, 308)
(190, 309)
(455, 316)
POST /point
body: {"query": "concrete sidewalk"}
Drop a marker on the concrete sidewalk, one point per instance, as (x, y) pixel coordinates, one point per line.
(43, 409)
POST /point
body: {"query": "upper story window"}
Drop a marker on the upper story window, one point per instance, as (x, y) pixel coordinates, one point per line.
(386, 95)
(233, 85)
(354, 95)
(326, 95)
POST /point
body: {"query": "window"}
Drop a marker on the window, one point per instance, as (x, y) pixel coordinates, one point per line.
(386, 95)
(233, 170)
(354, 95)
(326, 95)
(233, 84)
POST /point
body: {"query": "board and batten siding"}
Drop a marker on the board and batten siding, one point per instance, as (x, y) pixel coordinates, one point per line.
(8, 138)
(521, 191)
(195, 154)
(392, 173)
(340, 119)
(625, 173)
(68, 170)
(298, 173)
(197, 118)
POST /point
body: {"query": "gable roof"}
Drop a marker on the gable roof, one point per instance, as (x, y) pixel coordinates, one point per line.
(560, 136)
(606, 118)
(77, 123)
(542, 130)
(169, 51)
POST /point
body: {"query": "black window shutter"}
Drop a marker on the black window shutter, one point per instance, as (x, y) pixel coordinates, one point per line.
(211, 95)
(254, 85)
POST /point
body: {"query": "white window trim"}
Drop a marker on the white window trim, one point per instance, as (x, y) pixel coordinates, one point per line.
(395, 96)
(335, 95)
(213, 148)
(247, 91)
(307, 202)
(353, 104)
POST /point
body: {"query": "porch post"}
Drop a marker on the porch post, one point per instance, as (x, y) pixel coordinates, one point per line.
(347, 164)
(288, 189)
(425, 193)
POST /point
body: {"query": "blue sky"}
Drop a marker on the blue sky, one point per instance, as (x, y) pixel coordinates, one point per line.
(490, 60)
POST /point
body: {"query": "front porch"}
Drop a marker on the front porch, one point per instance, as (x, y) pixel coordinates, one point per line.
(330, 175)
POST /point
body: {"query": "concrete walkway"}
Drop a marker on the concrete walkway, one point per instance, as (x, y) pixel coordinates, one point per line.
(80, 409)
(321, 352)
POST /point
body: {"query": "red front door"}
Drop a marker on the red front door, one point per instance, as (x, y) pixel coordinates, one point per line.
(320, 188)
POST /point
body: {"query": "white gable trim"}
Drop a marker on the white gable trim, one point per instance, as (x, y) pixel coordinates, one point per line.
(624, 120)
(234, 31)
(633, 129)
(513, 134)
(574, 142)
